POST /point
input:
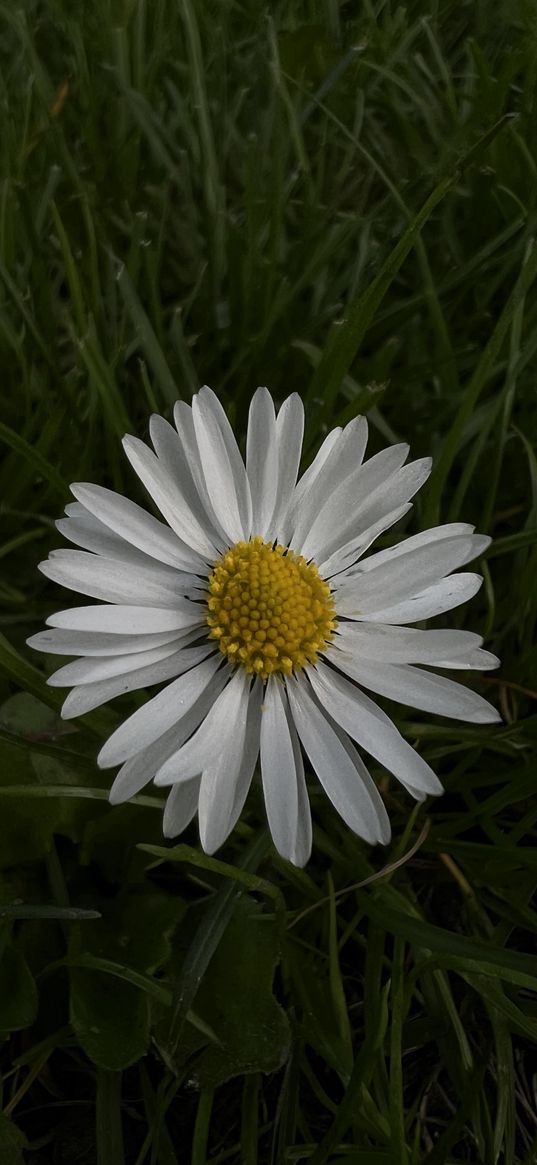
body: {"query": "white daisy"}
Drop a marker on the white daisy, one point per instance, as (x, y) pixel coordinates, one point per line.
(255, 599)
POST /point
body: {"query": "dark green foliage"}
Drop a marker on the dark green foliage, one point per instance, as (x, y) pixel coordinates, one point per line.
(338, 199)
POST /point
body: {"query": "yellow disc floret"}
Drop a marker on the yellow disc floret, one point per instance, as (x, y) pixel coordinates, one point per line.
(268, 609)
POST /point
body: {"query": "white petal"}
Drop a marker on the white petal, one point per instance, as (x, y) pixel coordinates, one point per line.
(311, 474)
(417, 794)
(85, 530)
(186, 435)
(181, 807)
(387, 644)
(223, 467)
(226, 756)
(434, 600)
(287, 521)
(346, 458)
(340, 770)
(351, 513)
(90, 534)
(157, 715)
(141, 768)
(316, 527)
(76, 510)
(211, 738)
(339, 462)
(346, 556)
(434, 534)
(208, 398)
(58, 642)
(114, 581)
(304, 830)
(289, 435)
(262, 459)
(419, 689)
(136, 773)
(279, 772)
(477, 660)
(218, 800)
(90, 671)
(400, 578)
(136, 526)
(373, 730)
(340, 471)
(168, 497)
(86, 697)
(398, 489)
(475, 545)
(182, 464)
(128, 620)
(216, 833)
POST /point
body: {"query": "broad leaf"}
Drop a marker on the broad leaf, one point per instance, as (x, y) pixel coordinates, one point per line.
(110, 1019)
(236, 999)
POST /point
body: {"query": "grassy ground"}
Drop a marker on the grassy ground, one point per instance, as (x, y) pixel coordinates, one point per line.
(340, 200)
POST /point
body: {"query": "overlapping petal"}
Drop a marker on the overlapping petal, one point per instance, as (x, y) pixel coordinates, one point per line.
(396, 579)
(154, 718)
(169, 489)
(116, 581)
(340, 770)
(85, 697)
(372, 729)
(134, 525)
(223, 467)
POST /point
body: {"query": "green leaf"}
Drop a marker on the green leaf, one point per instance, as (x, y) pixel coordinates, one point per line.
(195, 857)
(24, 715)
(158, 1131)
(318, 1020)
(110, 839)
(479, 379)
(26, 826)
(236, 999)
(146, 338)
(27, 728)
(12, 1143)
(208, 935)
(152, 987)
(513, 965)
(61, 913)
(15, 667)
(110, 1018)
(108, 1118)
(134, 929)
(359, 1080)
(346, 336)
(131, 939)
(31, 454)
(18, 994)
(337, 992)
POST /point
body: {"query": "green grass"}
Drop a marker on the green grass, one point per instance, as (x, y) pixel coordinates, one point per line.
(338, 200)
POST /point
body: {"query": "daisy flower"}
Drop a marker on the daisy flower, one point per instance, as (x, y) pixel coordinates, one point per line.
(257, 598)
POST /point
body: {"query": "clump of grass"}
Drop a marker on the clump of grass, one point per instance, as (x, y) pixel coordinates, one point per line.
(341, 202)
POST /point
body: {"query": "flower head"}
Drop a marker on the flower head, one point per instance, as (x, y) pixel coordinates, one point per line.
(257, 599)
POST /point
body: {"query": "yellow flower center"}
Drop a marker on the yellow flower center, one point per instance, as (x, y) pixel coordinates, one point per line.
(269, 609)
